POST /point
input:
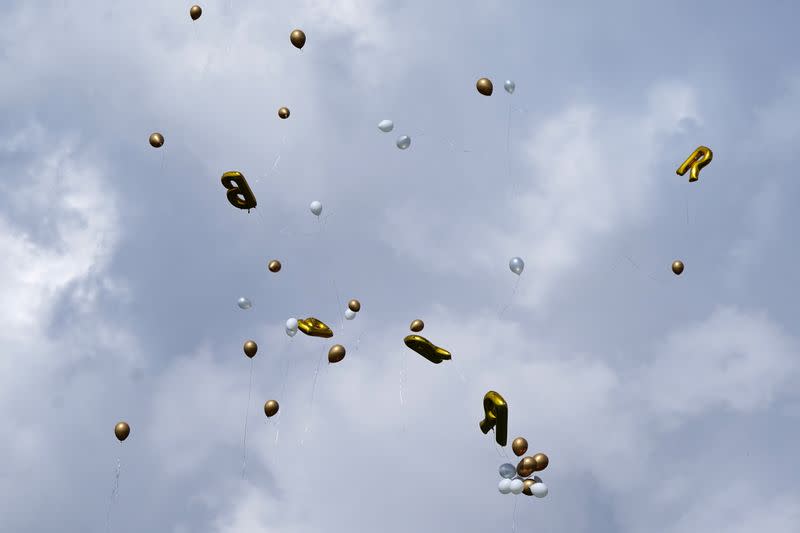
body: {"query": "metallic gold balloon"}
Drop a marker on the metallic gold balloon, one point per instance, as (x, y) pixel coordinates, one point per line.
(239, 193)
(701, 157)
(271, 408)
(195, 12)
(354, 306)
(156, 140)
(485, 87)
(495, 411)
(526, 466)
(541, 461)
(519, 446)
(314, 328)
(250, 349)
(336, 353)
(274, 266)
(677, 267)
(122, 430)
(298, 38)
(283, 112)
(527, 490)
(427, 349)
(417, 326)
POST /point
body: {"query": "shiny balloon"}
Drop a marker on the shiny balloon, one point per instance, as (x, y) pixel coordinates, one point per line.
(509, 86)
(417, 326)
(517, 265)
(314, 328)
(541, 461)
(403, 142)
(271, 408)
(244, 303)
(336, 353)
(526, 466)
(250, 349)
(519, 446)
(291, 332)
(517, 486)
(274, 266)
(315, 207)
(504, 486)
(283, 112)
(386, 126)
(156, 140)
(298, 39)
(349, 314)
(195, 12)
(354, 306)
(677, 267)
(427, 349)
(539, 490)
(484, 86)
(527, 490)
(291, 324)
(122, 430)
(507, 471)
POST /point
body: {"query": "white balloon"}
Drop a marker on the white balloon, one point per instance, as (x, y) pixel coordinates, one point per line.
(386, 126)
(403, 142)
(349, 314)
(510, 86)
(516, 486)
(316, 207)
(539, 490)
(504, 486)
(291, 332)
(291, 324)
(244, 303)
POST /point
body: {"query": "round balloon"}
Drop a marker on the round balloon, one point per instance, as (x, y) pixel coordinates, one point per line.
(386, 125)
(283, 112)
(541, 461)
(504, 486)
(517, 265)
(354, 305)
(349, 314)
(274, 266)
(156, 140)
(298, 39)
(517, 485)
(291, 332)
(484, 86)
(677, 267)
(404, 142)
(250, 349)
(316, 207)
(539, 490)
(195, 12)
(417, 326)
(526, 466)
(271, 408)
(509, 86)
(507, 471)
(291, 324)
(519, 446)
(336, 353)
(244, 303)
(122, 430)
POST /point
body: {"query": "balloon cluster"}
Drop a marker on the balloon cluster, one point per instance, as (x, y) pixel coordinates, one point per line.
(424, 347)
(518, 479)
(353, 307)
(403, 142)
(486, 88)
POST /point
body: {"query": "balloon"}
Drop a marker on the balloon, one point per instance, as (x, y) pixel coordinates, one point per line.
(495, 415)
(291, 324)
(283, 112)
(404, 142)
(527, 490)
(271, 408)
(250, 349)
(122, 430)
(539, 490)
(517, 485)
(427, 349)
(517, 265)
(156, 140)
(417, 325)
(195, 12)
(507, 471)
(316, 207)
(519, 446)
(354, 306)
(484, 86)
(509, 86)
(298, 38)
(238, 190)
(291, 332)
(696, 162)
(526, 466)
(349, 314)
(244, 303)
(314, 328)
(386, 126)
(504, 486)
(541, 461)
(336, 353)
(274, 266)
(677, 267)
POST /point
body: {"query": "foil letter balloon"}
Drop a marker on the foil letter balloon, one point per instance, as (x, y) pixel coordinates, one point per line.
(239, 193)
(696, 161)
(495, 411)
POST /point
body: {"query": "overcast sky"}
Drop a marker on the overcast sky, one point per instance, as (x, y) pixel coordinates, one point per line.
(666, 404)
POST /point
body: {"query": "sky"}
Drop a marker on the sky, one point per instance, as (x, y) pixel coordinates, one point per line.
(667, 404)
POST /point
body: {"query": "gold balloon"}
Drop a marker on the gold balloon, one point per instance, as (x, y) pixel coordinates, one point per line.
(677, 267)
(283, 112)
(274, 266)
(122, 430)
(417, 326)
(526, 466)
(354, 306)
(314, 328)
(156, 140)
(239, 193)
(250, 349)
(195, 12)
(427, 349)
(495, 415)
(698, 159)
(528, 483)
(271, 408)
(541, 461)
(519, 446)
(336, 353)
(485, 87)
(298, 38)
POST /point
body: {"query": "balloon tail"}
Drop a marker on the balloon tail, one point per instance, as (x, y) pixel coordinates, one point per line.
(246, 417)
(511, 298)
(114, 492)
(514, 517)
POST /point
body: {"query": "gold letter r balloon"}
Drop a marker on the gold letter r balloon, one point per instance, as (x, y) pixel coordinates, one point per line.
(695, 162)
(495, 410)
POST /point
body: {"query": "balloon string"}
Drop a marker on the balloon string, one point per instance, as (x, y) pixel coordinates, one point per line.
(114, 492)
(246, 417)
(508, 152)
(333, 279)
(636, 266)
(514, 517)
(283, 387)
(511, 298)
(313, 394)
